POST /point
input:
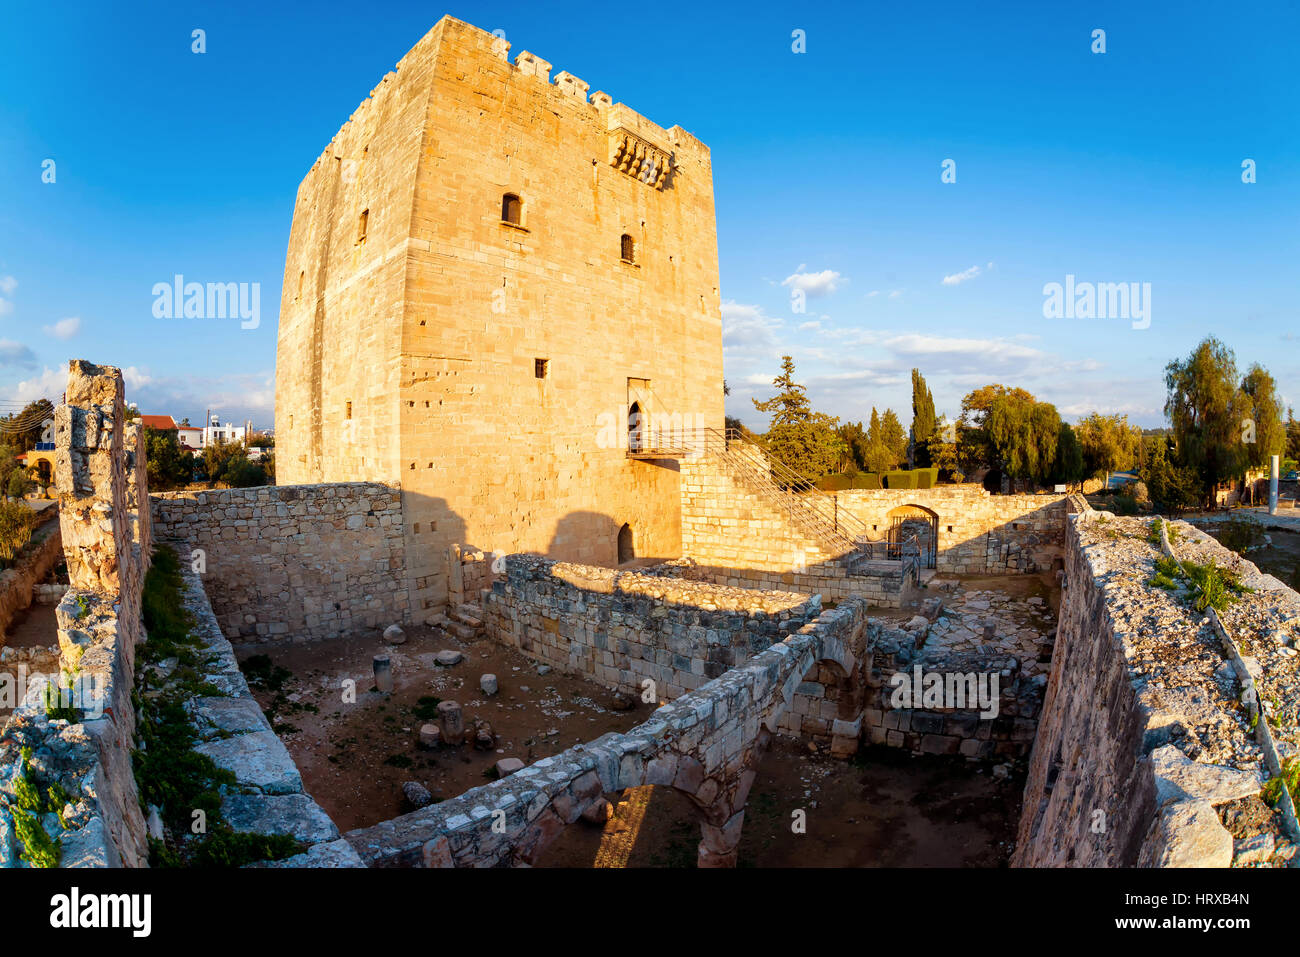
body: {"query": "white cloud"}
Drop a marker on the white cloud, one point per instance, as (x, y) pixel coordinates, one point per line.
(16, 354)
(958, 278)
(64, 328)
(7, 285)
(814, 283)
(48, 385)
(895, 293)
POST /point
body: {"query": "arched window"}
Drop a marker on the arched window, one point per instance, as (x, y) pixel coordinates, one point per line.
(512, 209)
(626, 549)
(628, 249)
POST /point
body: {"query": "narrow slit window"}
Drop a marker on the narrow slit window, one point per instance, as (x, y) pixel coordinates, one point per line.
(361, 226)
(541, 367)
(511, 209)
(627, 249)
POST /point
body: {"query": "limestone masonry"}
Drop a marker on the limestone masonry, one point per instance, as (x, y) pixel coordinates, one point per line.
(486, 356)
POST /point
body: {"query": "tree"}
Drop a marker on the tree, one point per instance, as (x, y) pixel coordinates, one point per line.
(167, 465)
(1172, 487)
(1206, 410)
(1068, 467)
(1268, 437)
(975, 446)
(1008, 429)
(19, 483)
(1109, 443)
(923, 421)
(892, 437)
(217, 457)
(24, 429)
(941, 450)
(799, 438)
(1292, 435)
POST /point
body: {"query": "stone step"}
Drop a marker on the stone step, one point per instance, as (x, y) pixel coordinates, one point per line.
(468, 614)
(462, 631)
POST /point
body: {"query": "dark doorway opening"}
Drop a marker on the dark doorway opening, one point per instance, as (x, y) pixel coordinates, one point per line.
(626, 550)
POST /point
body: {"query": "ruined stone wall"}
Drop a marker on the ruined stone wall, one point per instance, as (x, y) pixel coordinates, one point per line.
(621, 627)
(99, 470)
(410, 354)
(978, 533)
(733, 536)
(290, 563)
(1145, 733)
(944, 730)
(705, 744)
(19, 582)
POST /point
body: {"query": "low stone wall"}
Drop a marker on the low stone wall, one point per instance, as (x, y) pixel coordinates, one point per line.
(1007, 732)
(622, 627)
(884, 584)
(978, 533)
(19, 584)
(294, 562)
(706, 745)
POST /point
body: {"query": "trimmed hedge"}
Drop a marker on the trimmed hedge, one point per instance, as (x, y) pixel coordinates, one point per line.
(836, 483)
(900, 479)
(867, 480)
(927, 478)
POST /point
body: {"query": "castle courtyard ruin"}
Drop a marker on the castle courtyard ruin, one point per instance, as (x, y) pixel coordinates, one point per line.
(501, 438)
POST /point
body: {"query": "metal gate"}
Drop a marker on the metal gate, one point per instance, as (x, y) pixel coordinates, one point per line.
(928, 540)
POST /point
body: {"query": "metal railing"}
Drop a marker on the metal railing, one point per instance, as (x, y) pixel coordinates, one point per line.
(806, 507)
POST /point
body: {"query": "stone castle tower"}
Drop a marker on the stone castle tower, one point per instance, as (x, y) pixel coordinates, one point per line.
(487, 271)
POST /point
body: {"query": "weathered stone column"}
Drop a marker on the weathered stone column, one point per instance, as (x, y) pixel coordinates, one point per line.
(1273, 469)
(720, 845)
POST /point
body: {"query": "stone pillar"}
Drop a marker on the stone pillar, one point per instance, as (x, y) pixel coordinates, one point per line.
(453, 722)
(720, 846)
(1273, 469)
(383, 666)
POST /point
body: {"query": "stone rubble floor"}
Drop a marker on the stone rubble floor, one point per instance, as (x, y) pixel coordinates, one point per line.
(355, 757)
(1021, 612)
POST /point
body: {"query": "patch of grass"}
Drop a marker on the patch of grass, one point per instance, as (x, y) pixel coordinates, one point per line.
(169, 773)
(1213, 586)
(1290, 778)
(30, 805)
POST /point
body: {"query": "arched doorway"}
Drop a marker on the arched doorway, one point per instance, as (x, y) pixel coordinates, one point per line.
(626, 547)
(635, 433)
(909, 520)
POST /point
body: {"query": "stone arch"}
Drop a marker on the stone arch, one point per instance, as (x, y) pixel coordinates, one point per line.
(918, 520)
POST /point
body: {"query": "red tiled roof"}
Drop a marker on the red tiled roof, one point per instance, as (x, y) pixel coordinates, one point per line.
(160, 422)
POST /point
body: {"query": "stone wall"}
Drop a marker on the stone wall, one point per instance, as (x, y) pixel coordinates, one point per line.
(978, 533)
(18, 583)
(1143, 734)
(622, 627)
(294, 562)
(705, 744)
(100, 475)
(733, 536)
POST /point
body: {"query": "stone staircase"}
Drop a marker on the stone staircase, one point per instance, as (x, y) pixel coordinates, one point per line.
(466, 621)
(809, 510)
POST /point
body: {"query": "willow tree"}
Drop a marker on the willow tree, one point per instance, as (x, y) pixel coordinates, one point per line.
(1265, 433)
(1208, 413)
(1109, 443)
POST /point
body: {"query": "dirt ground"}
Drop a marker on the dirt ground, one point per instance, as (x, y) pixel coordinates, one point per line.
(886, 808)
(1281, 557)
(36, 627)
(354, 757)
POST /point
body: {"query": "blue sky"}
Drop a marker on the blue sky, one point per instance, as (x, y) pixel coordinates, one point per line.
(1123, 166)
